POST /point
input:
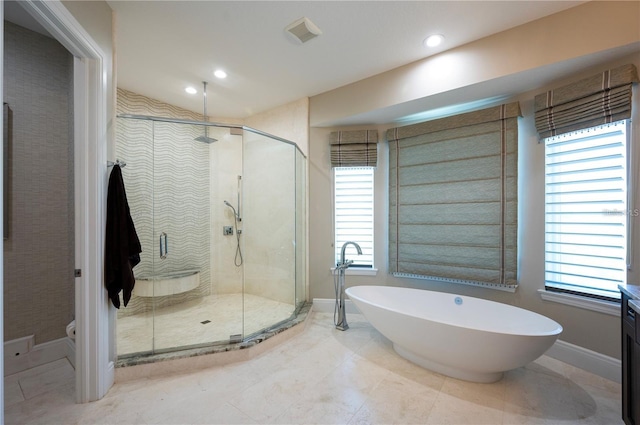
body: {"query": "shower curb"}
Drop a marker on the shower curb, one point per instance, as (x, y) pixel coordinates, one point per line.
(146, 366)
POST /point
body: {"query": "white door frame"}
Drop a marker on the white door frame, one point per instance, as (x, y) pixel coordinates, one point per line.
(94, 367)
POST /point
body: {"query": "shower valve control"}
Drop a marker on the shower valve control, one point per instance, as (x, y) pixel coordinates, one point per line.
(227, 230)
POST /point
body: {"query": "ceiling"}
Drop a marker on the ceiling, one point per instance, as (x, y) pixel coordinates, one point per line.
(165, 46)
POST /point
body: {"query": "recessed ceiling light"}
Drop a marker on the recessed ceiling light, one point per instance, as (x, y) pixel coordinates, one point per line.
(433, 40)
(220, 74)
(191, 90)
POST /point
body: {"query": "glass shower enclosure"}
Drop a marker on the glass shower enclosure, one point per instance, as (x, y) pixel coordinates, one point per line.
(220, 212)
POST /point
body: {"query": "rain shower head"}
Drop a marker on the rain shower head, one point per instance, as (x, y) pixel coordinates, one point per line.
(205, 138)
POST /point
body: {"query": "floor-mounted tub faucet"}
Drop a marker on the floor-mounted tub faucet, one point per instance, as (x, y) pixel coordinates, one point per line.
(344, 247)
(341, 320)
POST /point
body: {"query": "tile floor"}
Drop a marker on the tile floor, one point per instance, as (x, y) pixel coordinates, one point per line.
(182, 324)
(322, 376)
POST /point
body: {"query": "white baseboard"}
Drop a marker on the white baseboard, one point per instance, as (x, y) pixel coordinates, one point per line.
(70, 351)
(583, 358)
(36, 355)
(325, 305)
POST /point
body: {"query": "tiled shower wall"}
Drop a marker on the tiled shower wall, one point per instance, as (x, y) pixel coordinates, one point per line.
(167, 185)
(39, 253)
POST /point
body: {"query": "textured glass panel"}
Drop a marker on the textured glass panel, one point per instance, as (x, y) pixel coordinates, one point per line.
(269, 230)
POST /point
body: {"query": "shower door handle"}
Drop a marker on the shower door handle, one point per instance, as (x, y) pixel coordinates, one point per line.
(164, 248)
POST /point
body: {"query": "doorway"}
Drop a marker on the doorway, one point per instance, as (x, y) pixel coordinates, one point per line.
(38, 266)
(91, 94)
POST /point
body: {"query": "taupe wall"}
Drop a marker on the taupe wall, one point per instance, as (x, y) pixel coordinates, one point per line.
(39, 254)
(479, 77)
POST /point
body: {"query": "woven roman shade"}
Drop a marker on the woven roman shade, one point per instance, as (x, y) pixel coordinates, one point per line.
(453, 198)
(354, 148)
(597, 100)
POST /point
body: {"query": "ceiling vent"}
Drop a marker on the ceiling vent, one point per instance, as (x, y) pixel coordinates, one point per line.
(303, 30)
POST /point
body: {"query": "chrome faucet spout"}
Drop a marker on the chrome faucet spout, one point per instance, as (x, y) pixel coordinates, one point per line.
(344, 247)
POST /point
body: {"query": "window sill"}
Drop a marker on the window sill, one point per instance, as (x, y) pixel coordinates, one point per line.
(358, 272)
(606, 307)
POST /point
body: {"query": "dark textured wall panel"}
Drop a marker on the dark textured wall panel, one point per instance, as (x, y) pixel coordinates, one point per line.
(39, 254)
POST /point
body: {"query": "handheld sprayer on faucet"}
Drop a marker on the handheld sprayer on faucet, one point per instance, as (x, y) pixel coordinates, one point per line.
(339, 315)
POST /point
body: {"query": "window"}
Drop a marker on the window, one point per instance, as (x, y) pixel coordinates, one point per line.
(353, 208)
(586, 211)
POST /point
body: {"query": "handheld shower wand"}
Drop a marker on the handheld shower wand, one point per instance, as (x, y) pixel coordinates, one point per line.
(234, 211)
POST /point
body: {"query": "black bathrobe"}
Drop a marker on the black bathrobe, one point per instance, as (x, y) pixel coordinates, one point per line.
(122, 247)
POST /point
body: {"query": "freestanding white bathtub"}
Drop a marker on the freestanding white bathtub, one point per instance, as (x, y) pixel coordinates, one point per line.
(462, 337)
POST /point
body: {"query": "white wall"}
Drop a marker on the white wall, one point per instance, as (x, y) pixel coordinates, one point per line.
(289, 121)
(486, 59)
(96, 19)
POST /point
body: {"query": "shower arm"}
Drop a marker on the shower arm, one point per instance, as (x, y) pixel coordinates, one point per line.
(204, 109)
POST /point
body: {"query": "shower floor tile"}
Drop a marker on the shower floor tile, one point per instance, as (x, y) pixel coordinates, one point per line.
(205, 320)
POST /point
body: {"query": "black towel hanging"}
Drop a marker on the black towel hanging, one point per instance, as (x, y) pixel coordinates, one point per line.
(122, 246)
